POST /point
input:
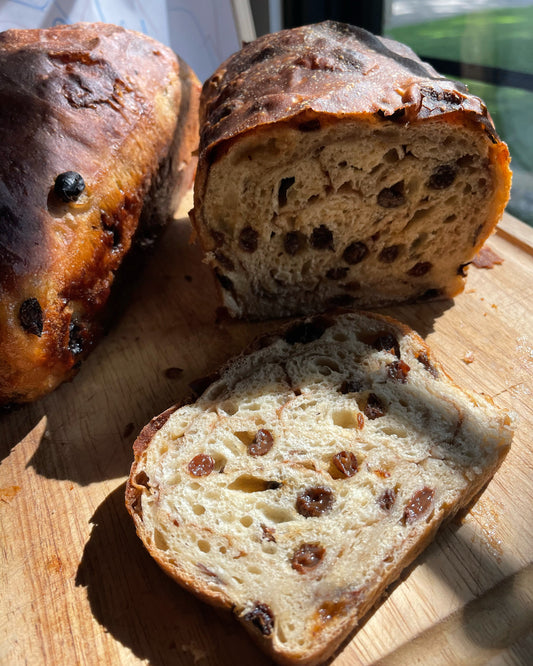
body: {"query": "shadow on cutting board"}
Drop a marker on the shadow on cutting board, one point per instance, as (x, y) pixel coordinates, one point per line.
(147, 612)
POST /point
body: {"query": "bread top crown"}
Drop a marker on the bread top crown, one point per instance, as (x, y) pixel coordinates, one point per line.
(69, 97)
(331, 68)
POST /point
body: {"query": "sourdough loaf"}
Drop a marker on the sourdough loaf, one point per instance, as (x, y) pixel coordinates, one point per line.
(336, 168)
(309, 473)
(97, 129)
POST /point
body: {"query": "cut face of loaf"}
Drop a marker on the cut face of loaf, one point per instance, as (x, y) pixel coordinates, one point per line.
(370, 185)
(309, 474)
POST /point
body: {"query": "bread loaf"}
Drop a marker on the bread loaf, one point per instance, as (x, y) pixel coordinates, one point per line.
(97, 127)
(309, 473)
(336, 168)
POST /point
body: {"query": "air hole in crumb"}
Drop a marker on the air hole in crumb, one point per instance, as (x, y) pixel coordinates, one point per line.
(198, 509)
(326, 366)
(246, 521)
(284, 186)
(204, 546)
(345, 418)
(223, 550)
(340, 336)
(276, 514)
(159, 541)
(229, 407)
(391, 156)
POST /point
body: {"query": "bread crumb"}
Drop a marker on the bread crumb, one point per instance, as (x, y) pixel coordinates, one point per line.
(468, 357)
(486, 258)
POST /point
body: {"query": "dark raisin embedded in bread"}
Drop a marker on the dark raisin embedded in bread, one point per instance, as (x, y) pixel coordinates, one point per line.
(313, 468)
(97, 131)
(343, 150)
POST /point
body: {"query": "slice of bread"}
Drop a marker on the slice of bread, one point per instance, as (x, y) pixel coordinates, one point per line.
(310, 472)
(337, 169)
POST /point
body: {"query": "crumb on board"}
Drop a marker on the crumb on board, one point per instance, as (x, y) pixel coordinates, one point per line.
(486, 258)
(469, 357)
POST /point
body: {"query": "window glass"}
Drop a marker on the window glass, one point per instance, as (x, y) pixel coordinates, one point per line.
(488, 44)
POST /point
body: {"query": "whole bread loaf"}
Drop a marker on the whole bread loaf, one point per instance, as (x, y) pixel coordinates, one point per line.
(309, 473)
(97, 129)
(336, 168)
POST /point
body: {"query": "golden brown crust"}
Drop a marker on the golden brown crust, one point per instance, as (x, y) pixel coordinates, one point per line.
(326, 68)
(121, 110)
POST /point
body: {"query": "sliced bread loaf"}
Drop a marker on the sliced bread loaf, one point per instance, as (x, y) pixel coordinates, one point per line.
(337, 169)
(309, 473)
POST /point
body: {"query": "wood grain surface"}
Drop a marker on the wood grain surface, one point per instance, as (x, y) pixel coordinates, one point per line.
(77, 587)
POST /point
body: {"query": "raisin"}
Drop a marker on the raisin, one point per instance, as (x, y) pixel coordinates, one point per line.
(307, 556)
(398, 371)
(261, 617)
(355, 253)
(306, 331)
(261, 443)
(392, 197)
(218, 237)
(418, 506)
(68, 186)
(387, 342)
(389, 254)
(387, 499)
(293, 242)
(248, 239)
(337, 273)
(442, 177)
(423, 358)
(430, 294)
(75, 339)
(31, 317)
(322, 238)
(315, 501)
(374, 408)
(420, 269)
(350, 386)
(201, 465)
(284, 185)
(346, 463)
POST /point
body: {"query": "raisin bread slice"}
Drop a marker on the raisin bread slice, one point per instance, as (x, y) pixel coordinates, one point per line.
(310, 472)
(337, 169)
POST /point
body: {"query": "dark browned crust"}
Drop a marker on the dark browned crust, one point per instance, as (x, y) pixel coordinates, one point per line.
(326, 68)
(96, 99)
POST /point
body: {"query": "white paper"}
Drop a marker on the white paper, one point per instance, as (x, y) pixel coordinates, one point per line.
(202, 32)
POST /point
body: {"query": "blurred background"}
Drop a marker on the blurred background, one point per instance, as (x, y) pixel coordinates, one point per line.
(487, 44)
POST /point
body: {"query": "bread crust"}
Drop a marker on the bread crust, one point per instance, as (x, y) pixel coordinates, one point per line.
(118, 108)
(330, 74)
(336, 619)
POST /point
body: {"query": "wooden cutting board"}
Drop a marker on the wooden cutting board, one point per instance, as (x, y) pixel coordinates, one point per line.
(77, 587)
